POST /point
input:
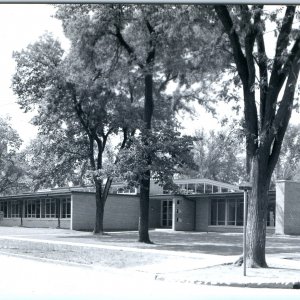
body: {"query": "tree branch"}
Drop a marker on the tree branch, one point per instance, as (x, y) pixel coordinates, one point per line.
(238, 55)
(284, 111)
(127, 47)
(277, 78)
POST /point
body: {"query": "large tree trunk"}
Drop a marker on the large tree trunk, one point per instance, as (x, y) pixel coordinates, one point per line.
(145, 178)
(257, 213)
(144, 209)
(99, 229)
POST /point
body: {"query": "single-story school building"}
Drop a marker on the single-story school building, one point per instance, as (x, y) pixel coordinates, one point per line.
(201, 205)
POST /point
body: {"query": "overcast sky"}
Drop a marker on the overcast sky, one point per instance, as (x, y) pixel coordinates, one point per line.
(21, 24)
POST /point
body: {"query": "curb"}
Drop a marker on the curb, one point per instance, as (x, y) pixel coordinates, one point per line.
(268, 285)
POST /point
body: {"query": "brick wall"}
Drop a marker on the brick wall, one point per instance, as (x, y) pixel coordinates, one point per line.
(39, 223)
(42, 223)
(121, 212)
(184, 214)
(202, 214)
(83, 209)
(10, 222)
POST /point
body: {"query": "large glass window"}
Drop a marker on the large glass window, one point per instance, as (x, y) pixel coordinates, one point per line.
(239, 212)
(215, 189)
(32, 209)
(124, 190)
(221, 212)
(50, 208)
(230, 212)
(4, 208)
(15, 209)
(44, 208)
(208, 188)
(213, 212)
(200, 188)
(65, 211)
(191, 188)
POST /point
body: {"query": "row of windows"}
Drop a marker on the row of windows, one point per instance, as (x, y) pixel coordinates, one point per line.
(39, 208)
(123, 190)
(199, 188)
(230, 212)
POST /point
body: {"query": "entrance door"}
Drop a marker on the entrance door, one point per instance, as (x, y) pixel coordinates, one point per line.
(166, 213)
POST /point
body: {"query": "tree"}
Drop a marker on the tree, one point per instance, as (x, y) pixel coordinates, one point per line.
(11, 163)
(148, 39)
(267, 115)
(57, 161)
(218, 156)
(74, 103)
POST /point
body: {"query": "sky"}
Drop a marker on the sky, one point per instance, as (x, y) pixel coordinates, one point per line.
(22, 24)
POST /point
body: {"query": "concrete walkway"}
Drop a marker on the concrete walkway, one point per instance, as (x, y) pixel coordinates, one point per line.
(197, 267)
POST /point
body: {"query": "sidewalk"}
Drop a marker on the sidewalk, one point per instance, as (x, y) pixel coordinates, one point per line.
(282, 273)
(161, 263)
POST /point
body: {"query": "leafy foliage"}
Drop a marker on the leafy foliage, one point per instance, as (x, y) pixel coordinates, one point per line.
(288, 165)
(11, 162)
(219, 156)
(57, 161)
(169, 152)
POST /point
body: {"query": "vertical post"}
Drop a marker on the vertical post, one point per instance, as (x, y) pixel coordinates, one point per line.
(244, 231)
(245, 186)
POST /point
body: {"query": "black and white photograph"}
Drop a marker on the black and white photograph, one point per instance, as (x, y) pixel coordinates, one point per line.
(149, 150)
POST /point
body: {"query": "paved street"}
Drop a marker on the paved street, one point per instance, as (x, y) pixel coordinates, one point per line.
(30, 279)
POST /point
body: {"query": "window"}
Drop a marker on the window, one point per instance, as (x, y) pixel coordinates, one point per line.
(32, 209)
(50, 208)
(224, 190)
(4, 208)
(183, 188)
(200, 188)
(218, 212)
(124, 190)
(230, 212)
(221, 212)
(240, 213)
(227, 212)
(15, 209)
(215, 189)
(191, 188)
(208, 189)
(65, 211)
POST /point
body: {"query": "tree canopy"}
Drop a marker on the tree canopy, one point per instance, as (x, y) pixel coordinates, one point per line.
(11, 162)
